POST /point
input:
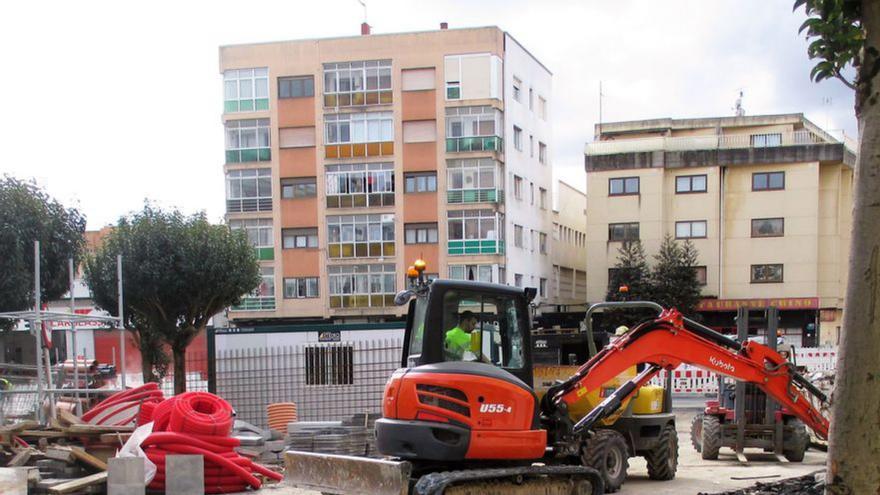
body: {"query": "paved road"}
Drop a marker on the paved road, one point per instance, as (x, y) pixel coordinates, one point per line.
(694, 474)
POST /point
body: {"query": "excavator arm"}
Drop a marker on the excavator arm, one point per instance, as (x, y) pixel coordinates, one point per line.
(671, 340)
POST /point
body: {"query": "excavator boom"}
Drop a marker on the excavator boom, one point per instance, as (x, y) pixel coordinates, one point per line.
(672, 340)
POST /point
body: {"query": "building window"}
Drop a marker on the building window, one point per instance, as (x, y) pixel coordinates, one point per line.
(542, 287)
(518, 236)
(453, 90)
(690, 184)
(690, 230)
(301, 187)
(542, 153)
(479, 273)
(542, 242)
(263, 297)
(299, 238)
(296, 87)
(249, 190)
(543, 198)
(765, 140)
(356, 236)
(623, 231)
(301, 288)
(362, 286)
(329, 365)
(420, 233)
(542, 108)
(473, 129)
(766, 274)
(768, 181)
(518, 279)
(517, 187)
(472, 180)
(247, 141)
(349, 84)
(701, 275)
(531, 99)
(768, 227)
(360, 184)
(623, 186)
(517, 92)
(419, 182)
(347, 128)
(259, 234)
(246, 90)
(517, 138)
(475, 232)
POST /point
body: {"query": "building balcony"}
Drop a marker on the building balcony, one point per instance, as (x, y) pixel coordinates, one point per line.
(246, 105)
(457, 196)
(476, 246)
(248, 205)
(358, 98)
(359, 200)
(256, 304)
(265, 253)
(699, 151)
(355, 150)
(479, 143)
(361, 301)
(248, 155)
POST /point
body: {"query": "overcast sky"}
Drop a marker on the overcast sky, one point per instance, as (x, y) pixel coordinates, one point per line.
(109, 103)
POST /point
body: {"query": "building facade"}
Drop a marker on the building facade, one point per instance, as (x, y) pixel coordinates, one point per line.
(766, 200)
(348, 158)
(569, 244)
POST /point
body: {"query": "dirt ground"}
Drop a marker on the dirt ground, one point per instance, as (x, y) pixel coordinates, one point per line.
(694, 474)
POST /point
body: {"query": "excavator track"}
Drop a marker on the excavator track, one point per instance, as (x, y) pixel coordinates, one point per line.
(525, 480)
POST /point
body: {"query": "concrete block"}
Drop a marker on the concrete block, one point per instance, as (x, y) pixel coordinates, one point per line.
(184, 475)
(125, 476)
(13, 481)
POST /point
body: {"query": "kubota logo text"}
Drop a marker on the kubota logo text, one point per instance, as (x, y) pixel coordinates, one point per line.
(721, 364)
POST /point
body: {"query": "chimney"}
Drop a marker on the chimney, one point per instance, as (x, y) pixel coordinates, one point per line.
(444, 25)
(365, 29)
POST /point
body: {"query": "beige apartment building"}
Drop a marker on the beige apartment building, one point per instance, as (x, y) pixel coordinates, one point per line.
(765, 199)
(348, 158)
(568, 246)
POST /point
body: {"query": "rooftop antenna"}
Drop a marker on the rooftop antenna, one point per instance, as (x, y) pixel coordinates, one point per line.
(827, 102)
(738, 109)
(599, 134)
(364, 5)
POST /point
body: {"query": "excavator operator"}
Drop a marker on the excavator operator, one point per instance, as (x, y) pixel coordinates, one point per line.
(462, 338)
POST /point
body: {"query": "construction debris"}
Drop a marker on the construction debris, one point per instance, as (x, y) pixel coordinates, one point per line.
(810, 484)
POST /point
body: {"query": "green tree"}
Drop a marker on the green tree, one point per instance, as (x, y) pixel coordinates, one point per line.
(629, 280)
(178, 272)
(844, 33)
(673, 278)
(28, 214)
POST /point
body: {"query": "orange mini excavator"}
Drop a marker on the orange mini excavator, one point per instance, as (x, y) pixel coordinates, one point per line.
(461, 414)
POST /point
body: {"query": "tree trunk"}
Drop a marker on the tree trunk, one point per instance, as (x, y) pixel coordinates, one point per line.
(179, 353)
(147, 368)
(854, 443)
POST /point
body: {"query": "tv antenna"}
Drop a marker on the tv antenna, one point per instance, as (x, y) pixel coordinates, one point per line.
(364, 5)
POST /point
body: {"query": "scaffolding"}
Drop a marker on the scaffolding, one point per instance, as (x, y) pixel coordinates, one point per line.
(38, 317)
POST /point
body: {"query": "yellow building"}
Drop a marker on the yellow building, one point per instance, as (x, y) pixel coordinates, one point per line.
(765, 199)
(569, 282)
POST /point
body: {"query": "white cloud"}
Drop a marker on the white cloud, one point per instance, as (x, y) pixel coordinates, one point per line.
(109, 103)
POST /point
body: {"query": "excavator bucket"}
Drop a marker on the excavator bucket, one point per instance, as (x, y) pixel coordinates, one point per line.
(346, 475)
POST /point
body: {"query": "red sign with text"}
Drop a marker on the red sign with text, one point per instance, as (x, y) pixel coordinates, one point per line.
(783, 303)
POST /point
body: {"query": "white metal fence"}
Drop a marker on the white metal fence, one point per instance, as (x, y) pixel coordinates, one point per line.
(686, 143)
(327, 381)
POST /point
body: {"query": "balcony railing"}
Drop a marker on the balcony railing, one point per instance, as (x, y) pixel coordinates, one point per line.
(487, 143)
(688, 143)
(475, 246)
(247, 205)
(248, 155)
(455, 196)
(256, 304)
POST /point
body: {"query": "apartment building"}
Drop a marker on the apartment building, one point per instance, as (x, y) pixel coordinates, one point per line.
(348, 158)
(765, 199)
(569, 244)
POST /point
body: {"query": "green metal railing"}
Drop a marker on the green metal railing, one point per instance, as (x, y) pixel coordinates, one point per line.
(256, 304)
(249, 155)
(475, 247)
(488, 143)
(454, 196)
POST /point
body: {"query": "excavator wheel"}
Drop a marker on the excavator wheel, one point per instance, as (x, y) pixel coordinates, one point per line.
(796, 443)
(697, 432)
(607, 453)
(710, 437)
(663, 458)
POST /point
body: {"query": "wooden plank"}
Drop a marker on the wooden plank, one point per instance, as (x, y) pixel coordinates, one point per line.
(121, 438)
(17, 427)
(86, 458)
(69, 418)
(43, 434)
(97, 429)
(60, 454)
(78, 484)
(20, 458)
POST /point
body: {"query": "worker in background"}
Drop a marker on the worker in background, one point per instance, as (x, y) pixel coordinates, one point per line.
(462, 338)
